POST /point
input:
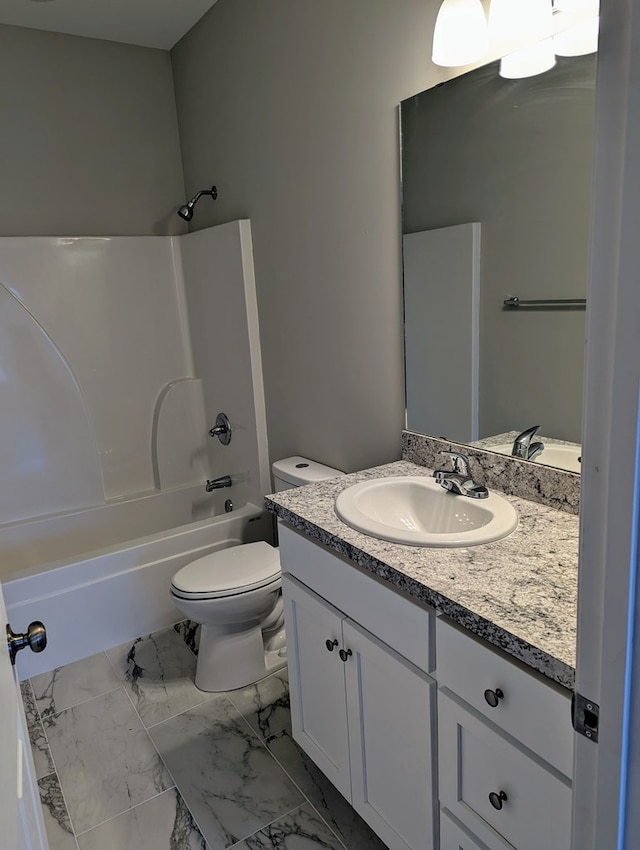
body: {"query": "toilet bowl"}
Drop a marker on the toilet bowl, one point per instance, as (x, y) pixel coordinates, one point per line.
(235, 594)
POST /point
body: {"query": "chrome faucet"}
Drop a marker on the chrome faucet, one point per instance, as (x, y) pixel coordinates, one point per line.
(523, 447)
(459, 479)
(218, 483)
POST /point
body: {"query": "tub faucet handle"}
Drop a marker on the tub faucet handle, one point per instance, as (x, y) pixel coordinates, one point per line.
(222, 429)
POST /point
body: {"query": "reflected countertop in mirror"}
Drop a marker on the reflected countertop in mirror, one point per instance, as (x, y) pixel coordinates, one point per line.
(496, 185)
(561, 454)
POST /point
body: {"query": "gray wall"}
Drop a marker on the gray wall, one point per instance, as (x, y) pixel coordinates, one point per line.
(89, 142)
(291, 108)
(517, 156)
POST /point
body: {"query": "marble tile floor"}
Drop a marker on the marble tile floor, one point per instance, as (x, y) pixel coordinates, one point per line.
(130, 755)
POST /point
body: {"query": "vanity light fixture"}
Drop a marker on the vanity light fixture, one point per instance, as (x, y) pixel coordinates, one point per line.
(529, 61)
(589, 8)
(579, 40)
(461, 34)
(519, 20)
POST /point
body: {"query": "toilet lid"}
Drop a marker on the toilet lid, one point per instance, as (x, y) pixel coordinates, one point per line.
(236, 569)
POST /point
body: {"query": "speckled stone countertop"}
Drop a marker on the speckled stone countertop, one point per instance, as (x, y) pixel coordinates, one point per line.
(509, 437)
(519, 593)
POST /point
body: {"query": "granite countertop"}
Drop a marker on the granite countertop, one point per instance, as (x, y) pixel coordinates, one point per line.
(509, 437)
(518, 593)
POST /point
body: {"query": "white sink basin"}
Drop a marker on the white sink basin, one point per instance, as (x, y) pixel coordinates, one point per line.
(417, 511)
(561, 456)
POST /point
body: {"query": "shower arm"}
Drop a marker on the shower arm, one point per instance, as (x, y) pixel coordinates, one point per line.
(213, 191)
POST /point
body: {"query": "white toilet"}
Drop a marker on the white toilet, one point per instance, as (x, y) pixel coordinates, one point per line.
(235, 594)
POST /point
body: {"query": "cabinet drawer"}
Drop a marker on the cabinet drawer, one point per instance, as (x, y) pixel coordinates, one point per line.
(406, 626)
(454, 836)
(532, 709)
(531, 806)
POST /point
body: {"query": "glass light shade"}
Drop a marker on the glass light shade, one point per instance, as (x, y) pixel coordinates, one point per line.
(515, 20)
(461, 35)
(587, 7)
(532, 60)
(579, 40)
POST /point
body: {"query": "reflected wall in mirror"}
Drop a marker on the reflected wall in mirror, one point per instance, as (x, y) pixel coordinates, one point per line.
(497, 181)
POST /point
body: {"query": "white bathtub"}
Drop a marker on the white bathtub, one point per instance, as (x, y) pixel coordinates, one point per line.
(100, 577)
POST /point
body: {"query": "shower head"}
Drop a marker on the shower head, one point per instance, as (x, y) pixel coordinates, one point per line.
(186, 211)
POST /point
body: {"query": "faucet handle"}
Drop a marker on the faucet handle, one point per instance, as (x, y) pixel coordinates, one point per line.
(522, 442)
(526, 435)
(460, 462)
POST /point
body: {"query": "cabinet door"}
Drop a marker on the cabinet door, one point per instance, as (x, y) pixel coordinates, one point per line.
(454, 836)
(316, 675)
(390, 705)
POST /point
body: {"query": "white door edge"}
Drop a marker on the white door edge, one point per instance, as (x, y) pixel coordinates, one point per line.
(609, 432)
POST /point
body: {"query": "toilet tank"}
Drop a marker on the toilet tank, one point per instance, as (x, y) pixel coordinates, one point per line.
(297, 471)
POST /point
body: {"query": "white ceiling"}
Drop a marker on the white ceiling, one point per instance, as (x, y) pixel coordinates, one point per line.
(150, 23)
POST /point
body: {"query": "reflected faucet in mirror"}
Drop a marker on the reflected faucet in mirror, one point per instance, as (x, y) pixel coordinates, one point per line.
(523, 447)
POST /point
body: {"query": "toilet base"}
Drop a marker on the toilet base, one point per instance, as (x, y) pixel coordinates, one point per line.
(228, 661)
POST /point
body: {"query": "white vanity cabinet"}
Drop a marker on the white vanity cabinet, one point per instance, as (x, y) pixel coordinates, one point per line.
(455, 836)
(362, 667)
(361, 711)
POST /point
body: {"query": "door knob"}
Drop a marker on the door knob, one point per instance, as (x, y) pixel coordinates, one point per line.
(35, 637)
(345, 655)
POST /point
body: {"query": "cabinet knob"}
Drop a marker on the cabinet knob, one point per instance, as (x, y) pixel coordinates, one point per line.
(330, 644)
(493, 697)
(344, 655)
(498, 799)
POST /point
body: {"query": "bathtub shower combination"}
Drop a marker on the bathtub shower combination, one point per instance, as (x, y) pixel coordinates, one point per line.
(111, 378)
(98, 597)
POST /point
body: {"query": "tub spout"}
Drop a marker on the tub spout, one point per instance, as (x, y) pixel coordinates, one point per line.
(218, 483)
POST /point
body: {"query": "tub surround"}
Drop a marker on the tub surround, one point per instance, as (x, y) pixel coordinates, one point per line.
(518, 593)
(87, 422)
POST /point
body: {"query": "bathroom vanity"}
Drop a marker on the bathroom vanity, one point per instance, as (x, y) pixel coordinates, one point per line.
(433, 686)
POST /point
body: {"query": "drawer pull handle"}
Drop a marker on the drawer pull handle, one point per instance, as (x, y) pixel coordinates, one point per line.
(493, 697)
(344, 655)
(330, 644)
(497, 800)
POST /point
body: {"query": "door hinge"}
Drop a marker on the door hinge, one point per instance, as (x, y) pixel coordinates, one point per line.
(585, 716)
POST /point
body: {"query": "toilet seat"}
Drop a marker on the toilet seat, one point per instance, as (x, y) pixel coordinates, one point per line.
(228, 572)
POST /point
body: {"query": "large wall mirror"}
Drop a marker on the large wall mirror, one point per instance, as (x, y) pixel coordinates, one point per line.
(496, 183)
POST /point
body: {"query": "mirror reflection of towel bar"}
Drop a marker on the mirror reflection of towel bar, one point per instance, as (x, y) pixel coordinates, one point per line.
(544, 302)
